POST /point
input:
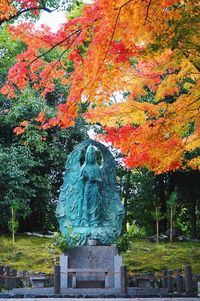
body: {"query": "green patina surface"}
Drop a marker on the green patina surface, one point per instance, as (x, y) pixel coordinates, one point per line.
(89, 203)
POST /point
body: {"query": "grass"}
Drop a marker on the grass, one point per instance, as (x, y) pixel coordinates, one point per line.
(32, 253)
(150, 257)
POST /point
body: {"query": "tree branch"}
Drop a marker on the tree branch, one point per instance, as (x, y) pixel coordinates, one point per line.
(19, 13)
(59, 59)
(147, 13)
(115, 26)
(78, 31)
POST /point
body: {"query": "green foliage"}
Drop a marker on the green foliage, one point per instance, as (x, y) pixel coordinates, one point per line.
(13, 223)
(136, 232)
(180, 190)
(123, 243)
(8, 51)
(172, 202)
(16, 163)
(75, 10)
(157, 214)
(32, 163)
(188, 203)
(61, 243)
(142, 197)
(64, 242)
(182, 221)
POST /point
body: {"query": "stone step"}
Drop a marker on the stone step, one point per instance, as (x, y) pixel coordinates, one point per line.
(103, 299)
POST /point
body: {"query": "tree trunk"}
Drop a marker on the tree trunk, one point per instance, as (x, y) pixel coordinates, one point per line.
(13, 225)
(162, 196)
(171, 224)
(193, 218)
(157, 227)
(157, 232)
(126, 195)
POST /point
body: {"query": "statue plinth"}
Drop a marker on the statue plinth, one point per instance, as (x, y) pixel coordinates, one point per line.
(94, 258)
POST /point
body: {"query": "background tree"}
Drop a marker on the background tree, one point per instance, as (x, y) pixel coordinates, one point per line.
(13, 223)
(147, 189)
(157, 215)
(139, 54)
(32, 164)
(188, 204)
(171, 203)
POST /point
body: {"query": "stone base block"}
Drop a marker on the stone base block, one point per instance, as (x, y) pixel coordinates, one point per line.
(93, 257)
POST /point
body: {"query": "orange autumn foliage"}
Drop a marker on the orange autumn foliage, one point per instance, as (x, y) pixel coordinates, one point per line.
(10, 9)
(136, 64)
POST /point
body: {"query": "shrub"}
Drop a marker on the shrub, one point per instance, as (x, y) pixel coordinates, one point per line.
(123, 243)
(134, 231)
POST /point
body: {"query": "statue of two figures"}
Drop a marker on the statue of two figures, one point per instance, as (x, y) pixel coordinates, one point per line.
(89, 202)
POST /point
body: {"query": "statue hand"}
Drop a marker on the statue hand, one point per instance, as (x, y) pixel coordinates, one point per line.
(85, 178)
(93, 180)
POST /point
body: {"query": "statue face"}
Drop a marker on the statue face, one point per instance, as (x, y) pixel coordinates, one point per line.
(90, 155)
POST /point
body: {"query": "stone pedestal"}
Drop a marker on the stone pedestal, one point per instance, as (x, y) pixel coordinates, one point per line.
(63, 270)
(92, 257)
(117, 272)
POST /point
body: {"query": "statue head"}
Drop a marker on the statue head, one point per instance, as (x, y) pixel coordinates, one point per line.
(90, 155)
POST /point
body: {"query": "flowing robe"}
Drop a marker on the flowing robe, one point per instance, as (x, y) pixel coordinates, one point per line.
(92, 194)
